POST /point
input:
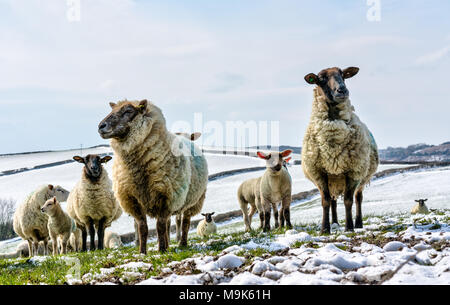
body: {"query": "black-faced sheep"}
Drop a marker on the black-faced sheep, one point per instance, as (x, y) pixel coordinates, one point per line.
(206, 226)
(92, 203)
(339, 154)
(420, 207)
(151, 176)
(30, 223)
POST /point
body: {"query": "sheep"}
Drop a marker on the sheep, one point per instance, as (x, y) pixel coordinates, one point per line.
(420, 207)
(206, 226)
(59, 225)
(112, 240)
(151, 175)
(276, 187)
(21, 251)
(247, 194)
(75, 240)
(92, 203)
(339, 153)
(265, 192)
(30, 223)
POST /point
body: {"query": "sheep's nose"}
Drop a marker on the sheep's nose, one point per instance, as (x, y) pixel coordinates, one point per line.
(102, 126)
(341, 90)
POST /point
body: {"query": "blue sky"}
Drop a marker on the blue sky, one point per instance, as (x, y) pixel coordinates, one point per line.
(229, 60)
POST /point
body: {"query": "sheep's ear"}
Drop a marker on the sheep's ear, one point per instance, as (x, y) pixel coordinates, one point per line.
(416, 200)
(213, 213)
(112, 105)
(286, 153)
(105, 159)
(203, 214)
(142, 105)
(195, 136)
(54, 199)
(288, 159)
(263, 155)
(350, 72)
(79, 159)
(311, 79)
(50, 187)
(425, 200)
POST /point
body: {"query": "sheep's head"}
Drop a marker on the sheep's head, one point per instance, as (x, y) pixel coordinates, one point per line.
(50, 206)
(92, 165)
(421, 201)
(117, 124)
(208, 216)
(59, 192)
(331, 82)
(275, 160)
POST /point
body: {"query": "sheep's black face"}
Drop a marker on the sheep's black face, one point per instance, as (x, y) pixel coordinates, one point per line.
(208, 216)
(92, 165)
(331, 82)
(421, 201)
(117, 124)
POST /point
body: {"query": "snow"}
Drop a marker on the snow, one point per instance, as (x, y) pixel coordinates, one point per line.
(230, 261)
(394, 246)
(248, 278)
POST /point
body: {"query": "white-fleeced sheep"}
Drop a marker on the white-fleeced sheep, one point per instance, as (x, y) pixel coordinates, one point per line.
(420, 207)
(155, 172)
(112, 240)
(264, 193)
(75, 240)
(206, 226)
(339, 154)
(92, 203)
(29, 221)
(60, 225)
(275, 187)
(247, 193)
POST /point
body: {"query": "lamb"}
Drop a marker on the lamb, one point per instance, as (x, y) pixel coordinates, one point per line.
(247, 194)
(59, 225)
(92, 203)
(75, 240)
(420, 207)
(21, 251)
(151, 175)
(112, 240)
(30, 223)
(276, 187)
(207, 226)
(339, 154)
(265, 192)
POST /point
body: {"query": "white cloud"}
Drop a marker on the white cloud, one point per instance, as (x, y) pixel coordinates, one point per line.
(433, 57)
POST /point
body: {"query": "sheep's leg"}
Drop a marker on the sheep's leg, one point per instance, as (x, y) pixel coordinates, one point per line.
(169, 220)
(83, 239)
(244, 210)
(143, 233)
(185, 229)
(30, 248)
(267, 209)
(326, 202)
(350, 187)
(275, 215)
(35, 248)
(260, 213)
(178, 226)
(334, 218)
(250, 215)
(286, 206)
(282, 219)
(45, 247)
(64, 241)
(92, 234)
(101, 233)
(136, 233)
(358, 219)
